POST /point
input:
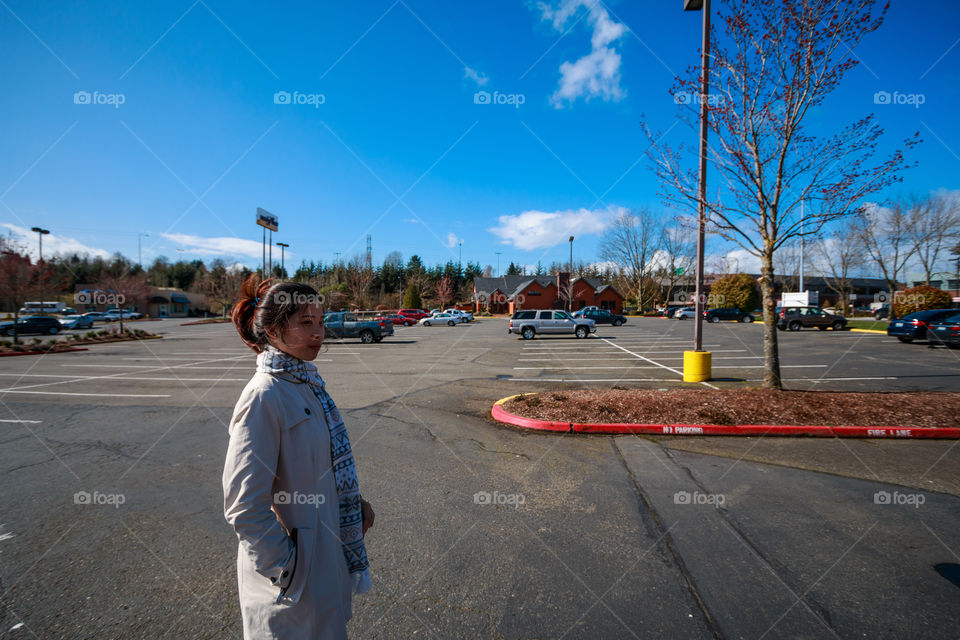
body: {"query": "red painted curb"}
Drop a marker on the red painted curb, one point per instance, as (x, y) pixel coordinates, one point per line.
(37, 353)
(502, 415)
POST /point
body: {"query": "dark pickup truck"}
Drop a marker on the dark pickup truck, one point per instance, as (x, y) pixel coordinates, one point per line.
(345, 325)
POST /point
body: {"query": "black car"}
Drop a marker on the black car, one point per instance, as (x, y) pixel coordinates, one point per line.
(32, 324)
(602, 316)
(914, 326)
(730, 313)
(945, 331)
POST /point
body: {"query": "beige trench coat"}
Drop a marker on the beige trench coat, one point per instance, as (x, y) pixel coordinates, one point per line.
(277, 478)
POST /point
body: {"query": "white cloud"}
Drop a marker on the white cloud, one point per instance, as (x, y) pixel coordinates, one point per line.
(596, 74)
(537, 229)
(477, 76)
(220, 246)
(453, 240)
(52, 244)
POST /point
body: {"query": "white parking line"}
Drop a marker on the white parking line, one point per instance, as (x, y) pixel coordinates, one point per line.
(24, 421)
(80, 378)
(663, 366)
(101, 395)
(732, 366)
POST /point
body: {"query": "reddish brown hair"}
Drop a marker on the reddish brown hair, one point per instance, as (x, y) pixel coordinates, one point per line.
(268, 305)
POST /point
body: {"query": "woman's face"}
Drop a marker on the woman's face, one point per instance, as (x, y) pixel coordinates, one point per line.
(303, 336)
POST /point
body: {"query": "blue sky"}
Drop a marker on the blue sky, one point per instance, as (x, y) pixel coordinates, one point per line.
(382, 133)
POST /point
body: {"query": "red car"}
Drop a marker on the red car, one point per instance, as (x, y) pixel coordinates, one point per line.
(411, 316)
(396, 319)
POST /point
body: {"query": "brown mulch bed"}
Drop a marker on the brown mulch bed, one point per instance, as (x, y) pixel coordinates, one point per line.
(206, 321)
(741, 406)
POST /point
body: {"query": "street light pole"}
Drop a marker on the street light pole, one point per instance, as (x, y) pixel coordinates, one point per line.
(282, 245)
(40, 232)
(498, 262)
(699, 366)
(570, 279)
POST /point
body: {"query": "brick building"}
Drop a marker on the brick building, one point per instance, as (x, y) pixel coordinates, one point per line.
(507, 294)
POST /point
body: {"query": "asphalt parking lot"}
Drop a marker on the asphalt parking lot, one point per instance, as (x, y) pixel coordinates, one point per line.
(482, 530)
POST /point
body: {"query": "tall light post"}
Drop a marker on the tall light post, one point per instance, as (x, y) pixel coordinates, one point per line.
(498, 261)
(139, 252)
(570, 279)
(460, 257)
(282, 245)
(699, 360)
(40, 232)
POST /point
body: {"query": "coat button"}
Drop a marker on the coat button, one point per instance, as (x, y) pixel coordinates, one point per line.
(285, 574)
(307, 410)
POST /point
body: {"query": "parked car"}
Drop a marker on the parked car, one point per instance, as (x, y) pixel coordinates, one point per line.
(68, 311)
(441, 319)
(413, 315)
(396, 319)
(341, 324)
(795, 318)
(530, 322)
(76, 322)
(881, 312)
(31, 324)
(94, 315)
(127, 315)
(466, 315)
(727, 313)
(685, 313)
(945, 331)
(914, 326)
(603, 316)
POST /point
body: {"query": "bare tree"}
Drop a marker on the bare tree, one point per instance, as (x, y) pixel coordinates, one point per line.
(221, 284)
(836, 258)
(775, 62)
(126, 288)
(933, 227)
(884, 233)
(444, 291)
(19, 279)
(631, 244)
(677, 256)
(359, 277)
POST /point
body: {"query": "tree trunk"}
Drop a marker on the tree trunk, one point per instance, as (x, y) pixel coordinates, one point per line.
(771, 351)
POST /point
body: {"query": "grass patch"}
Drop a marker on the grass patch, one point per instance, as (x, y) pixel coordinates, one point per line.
(876, 325)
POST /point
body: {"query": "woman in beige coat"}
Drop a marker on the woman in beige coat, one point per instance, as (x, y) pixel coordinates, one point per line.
(289, 484)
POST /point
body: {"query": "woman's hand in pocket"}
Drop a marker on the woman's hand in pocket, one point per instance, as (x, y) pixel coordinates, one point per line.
(368, 516)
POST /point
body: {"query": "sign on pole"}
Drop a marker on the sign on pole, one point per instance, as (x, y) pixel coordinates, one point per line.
(266, 219)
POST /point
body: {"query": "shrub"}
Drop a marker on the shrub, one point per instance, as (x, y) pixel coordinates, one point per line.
(920, 298)
(736, 290)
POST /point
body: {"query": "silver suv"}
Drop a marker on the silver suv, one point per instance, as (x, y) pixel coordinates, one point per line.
(532, 321)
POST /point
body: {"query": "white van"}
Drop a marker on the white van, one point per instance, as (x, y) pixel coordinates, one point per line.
(30, 308)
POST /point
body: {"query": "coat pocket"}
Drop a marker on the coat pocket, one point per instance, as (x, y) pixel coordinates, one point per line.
(301, 570)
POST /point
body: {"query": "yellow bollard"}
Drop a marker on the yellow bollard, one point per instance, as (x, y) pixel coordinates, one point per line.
(696, 366)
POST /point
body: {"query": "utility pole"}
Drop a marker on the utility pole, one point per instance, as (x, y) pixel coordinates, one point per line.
(570, 279)
(40, 232)
(282, 245)
(498, 262)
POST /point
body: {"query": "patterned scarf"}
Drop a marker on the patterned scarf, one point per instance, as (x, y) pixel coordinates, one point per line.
(272, 360)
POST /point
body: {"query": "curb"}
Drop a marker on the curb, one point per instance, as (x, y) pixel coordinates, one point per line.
(883, 333)
(37, 353)
(502, 415)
